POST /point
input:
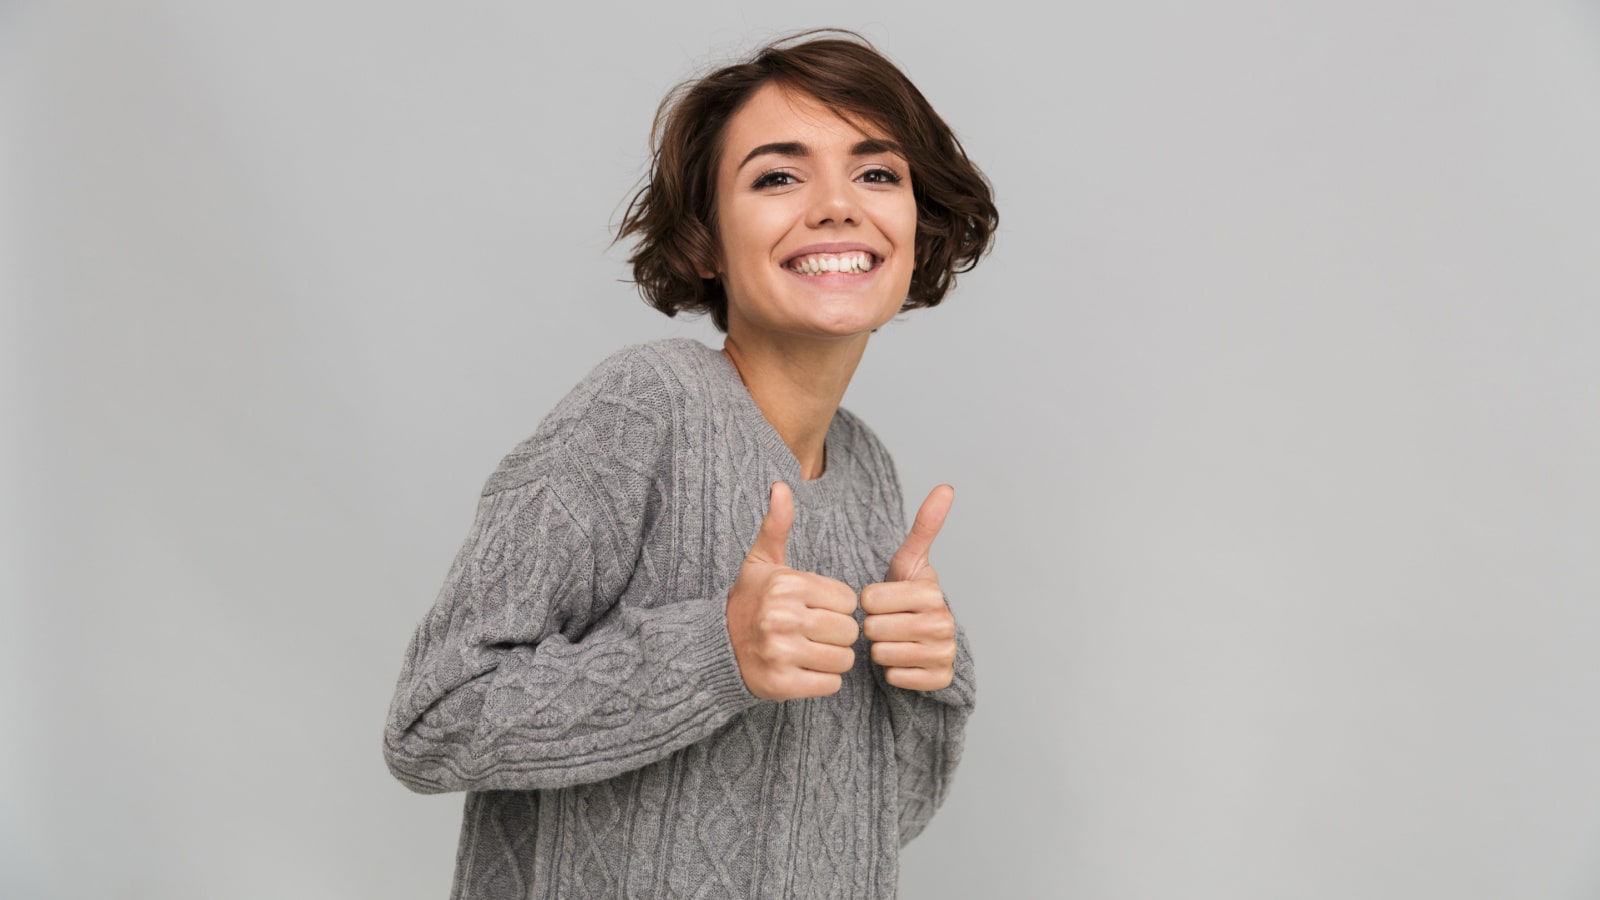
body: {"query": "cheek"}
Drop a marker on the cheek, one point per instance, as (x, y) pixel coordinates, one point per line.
(909, 220)
(897, 218)
(748, 236)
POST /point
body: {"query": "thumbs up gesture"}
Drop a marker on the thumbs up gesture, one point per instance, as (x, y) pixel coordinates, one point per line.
(912, 632)
(791, 631)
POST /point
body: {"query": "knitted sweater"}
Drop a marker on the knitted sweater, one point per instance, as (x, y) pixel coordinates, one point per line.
(575, 675)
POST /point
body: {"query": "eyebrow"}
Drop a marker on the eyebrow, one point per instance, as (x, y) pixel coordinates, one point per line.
(869, 147)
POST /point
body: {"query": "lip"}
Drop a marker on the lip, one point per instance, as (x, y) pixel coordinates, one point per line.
(834, 247)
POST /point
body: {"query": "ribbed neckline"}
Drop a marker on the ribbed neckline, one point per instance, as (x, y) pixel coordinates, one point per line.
(831, 484)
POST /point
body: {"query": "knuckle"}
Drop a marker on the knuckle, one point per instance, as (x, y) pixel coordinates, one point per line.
(829, 627)
(765, 655)
(872, 627)
(788, 682)
(776, 620)
(836, 595)
(834, 659)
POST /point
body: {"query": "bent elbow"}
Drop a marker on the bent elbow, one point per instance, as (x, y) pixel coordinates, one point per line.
(420, 771)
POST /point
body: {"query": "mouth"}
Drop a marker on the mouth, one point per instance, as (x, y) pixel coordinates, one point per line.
(848, 262)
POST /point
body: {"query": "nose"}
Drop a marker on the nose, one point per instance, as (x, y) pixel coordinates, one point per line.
(833, 203)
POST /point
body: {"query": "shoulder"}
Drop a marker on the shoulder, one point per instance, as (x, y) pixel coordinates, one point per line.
(621, 412)
(639, 377)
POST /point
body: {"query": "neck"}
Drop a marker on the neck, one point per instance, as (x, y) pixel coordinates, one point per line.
(797, 385)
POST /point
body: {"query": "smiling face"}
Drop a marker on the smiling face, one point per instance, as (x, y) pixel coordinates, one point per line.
(816, 220)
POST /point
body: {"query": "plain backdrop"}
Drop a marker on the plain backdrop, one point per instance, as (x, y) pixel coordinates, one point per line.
(1274, 420)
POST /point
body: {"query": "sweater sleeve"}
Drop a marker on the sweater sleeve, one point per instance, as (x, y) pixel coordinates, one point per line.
(929, 730)
(531, 671)
(929, 726)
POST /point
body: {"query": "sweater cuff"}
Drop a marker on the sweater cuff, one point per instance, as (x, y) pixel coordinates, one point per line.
(711, 650)
(962, 691)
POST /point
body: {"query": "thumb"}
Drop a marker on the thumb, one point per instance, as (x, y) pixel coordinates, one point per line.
(772, 541)
(912, 557)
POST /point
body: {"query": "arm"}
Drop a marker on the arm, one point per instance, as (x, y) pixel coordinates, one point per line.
(528, 673)
(929, 729)
(915, 638)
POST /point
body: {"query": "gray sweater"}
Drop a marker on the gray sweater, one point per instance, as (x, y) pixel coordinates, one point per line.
(576, 679)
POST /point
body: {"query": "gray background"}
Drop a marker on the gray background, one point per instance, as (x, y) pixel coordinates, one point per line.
(1273, 421)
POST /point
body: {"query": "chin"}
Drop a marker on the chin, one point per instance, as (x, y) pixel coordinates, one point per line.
(850, 325)
(846, 314)
(818, 312)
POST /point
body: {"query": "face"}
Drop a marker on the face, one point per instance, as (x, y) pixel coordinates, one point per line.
(816, 219)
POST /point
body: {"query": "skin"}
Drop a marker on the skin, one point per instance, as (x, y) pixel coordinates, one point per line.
(793, 175)
(796, 340)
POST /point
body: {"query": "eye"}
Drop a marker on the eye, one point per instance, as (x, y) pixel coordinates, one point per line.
(775, 178)
(880, 176)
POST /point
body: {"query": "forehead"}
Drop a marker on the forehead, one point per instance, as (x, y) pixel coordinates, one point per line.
(776, 114)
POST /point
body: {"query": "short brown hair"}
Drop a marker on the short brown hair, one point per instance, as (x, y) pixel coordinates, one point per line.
(674, 214)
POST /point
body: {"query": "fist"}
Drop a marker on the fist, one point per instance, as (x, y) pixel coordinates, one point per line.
(912, 632)
(791, 631)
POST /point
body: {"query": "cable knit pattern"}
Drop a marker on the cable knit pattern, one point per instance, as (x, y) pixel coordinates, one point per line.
(575, 676)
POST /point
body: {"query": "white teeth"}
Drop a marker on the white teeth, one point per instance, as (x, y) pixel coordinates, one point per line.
(823, 263)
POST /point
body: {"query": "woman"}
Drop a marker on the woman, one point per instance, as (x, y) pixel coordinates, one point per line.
(689, 647)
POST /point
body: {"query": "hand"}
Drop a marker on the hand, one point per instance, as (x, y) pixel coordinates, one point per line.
(912, 632)
(791, 631)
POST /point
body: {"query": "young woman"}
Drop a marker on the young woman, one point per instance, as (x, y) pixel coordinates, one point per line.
(689, 647)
